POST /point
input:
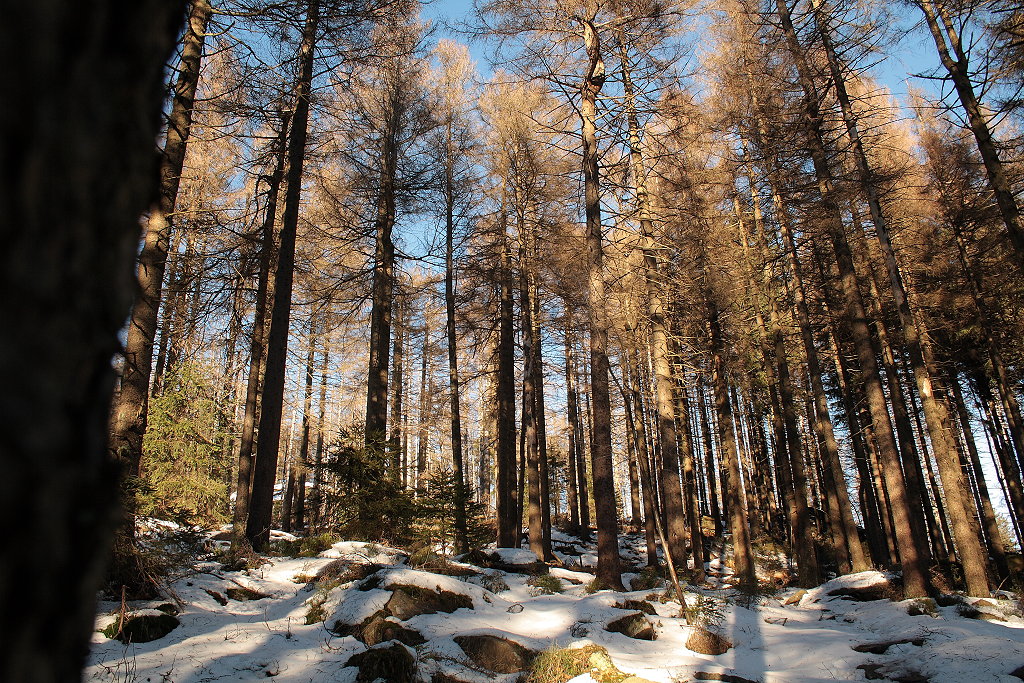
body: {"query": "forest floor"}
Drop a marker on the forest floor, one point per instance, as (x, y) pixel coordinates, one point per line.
(252, 625)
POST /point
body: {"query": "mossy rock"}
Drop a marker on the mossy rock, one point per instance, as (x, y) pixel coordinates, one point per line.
(141, 628)
(242, 594)
(407, 601)
(634, 625)
(923, 606)
(496, 654)
(707, 643)
(637, 606)
(379, 630)
(394, 663)
(878, 591)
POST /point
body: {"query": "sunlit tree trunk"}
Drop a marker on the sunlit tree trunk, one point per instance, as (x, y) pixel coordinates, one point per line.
(608, 566)
(914, 552)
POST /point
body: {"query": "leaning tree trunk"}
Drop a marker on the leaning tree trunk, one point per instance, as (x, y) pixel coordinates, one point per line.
(947, 41)
(130, 406)
(913, 553)
(129, 410)
(937, 418)
(73, 183)
(261, 504)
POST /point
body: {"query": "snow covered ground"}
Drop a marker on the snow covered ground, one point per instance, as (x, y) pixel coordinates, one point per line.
(821, 636)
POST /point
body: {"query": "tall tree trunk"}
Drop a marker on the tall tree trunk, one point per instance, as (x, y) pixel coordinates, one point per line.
(572, 421)
(913, 553)
(508, 525)
(937, 416)
(637, 453)
(423, 433)
(793, 478)
(529, 436)
(690, 479)
(129, 411)
(608, 565)
(709, 460)
(675, 522)
(246, 441)
(262, 498)
(316, 495)
(733, 489)
(300, 464)
(396, 438)
(454, 394)
(538, 411)
(382, 297)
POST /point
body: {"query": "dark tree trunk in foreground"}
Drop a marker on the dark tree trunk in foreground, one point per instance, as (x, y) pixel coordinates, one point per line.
(261, 504)
(66, 277)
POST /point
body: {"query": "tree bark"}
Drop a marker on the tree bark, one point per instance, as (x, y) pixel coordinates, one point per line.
(84, 87)
(608, 565)
(913, 553)
(947, 41)
(508, 525)
(129, 411)
(261, 505)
